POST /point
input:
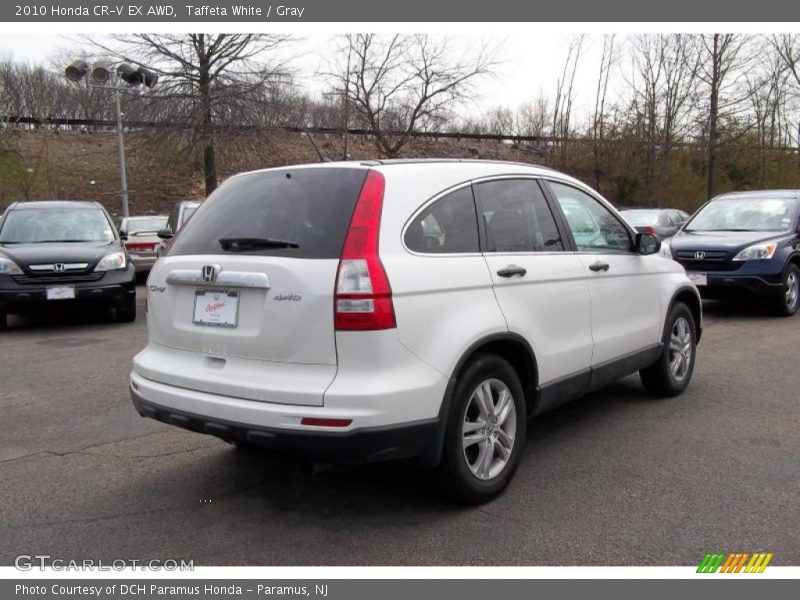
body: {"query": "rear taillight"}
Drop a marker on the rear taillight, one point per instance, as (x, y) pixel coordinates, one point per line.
(363, 298)
(649, 230)
(140, 246)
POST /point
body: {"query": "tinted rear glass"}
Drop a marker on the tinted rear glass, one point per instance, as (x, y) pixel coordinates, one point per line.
(310, 207)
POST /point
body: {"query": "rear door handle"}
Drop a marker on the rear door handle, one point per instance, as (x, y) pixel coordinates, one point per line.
(512, 270)
(599, 266)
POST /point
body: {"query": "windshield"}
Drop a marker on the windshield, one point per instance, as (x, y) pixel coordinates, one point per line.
(641, 218)
(298, 213)
(146, 224)
(744, 214)
(27, 226)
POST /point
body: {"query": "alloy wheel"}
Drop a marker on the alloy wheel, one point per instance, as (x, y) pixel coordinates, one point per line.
(680, 349)
(489, 428)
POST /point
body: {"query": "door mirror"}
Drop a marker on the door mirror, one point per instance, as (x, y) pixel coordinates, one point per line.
(647, 243)
(164, 234)
(123, 235)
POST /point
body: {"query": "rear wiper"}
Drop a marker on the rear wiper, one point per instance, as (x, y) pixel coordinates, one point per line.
(243, 243)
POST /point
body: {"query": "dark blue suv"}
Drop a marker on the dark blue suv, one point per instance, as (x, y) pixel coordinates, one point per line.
(744, 245)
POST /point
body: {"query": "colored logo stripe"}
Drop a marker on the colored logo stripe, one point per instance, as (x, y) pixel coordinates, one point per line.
(711, 563)
(734, 562)
(758, 563)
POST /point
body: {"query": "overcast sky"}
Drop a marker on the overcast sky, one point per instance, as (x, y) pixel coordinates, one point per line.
(528, 63)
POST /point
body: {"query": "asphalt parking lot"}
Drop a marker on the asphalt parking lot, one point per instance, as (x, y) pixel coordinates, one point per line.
(613, 479)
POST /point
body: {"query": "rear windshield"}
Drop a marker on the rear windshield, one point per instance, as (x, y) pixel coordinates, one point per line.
(309, 207)
(641, 218)
(146, 225)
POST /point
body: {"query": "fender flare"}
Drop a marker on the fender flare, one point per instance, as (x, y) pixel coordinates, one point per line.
(434, 456)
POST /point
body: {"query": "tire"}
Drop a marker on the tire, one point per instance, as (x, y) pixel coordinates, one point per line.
(672, 372)
(3, 321)
(463, 475)
(785, 305)
(126, 310)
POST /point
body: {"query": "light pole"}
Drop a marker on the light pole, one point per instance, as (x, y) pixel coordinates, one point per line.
(101, 74)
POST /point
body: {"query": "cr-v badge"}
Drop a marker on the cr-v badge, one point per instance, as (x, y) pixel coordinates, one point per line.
(288, 298)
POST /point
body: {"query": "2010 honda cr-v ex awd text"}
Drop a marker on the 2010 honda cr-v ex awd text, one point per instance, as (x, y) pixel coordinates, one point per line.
(406, 309)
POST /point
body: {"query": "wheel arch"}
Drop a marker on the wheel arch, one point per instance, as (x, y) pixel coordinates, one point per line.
(794, 259)
(508, 345)
(689, 296)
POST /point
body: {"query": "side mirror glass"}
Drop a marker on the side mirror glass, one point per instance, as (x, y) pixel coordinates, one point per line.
(647, 243)
(164, 234)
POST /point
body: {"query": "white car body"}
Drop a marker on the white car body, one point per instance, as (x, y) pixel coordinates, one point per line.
(569, 328)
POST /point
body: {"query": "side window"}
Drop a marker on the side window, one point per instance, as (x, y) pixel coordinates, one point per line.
(172, 221)
(446, 226)
(516, 217)
(594, 227)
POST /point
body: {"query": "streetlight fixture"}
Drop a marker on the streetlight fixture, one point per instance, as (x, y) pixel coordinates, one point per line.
(102, 73)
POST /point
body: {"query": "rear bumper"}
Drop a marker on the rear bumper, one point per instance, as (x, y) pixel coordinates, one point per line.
(390, 398)
(372, 444)
(143, 263)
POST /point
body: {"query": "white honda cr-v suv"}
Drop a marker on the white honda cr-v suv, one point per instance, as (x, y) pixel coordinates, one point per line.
(423, 310)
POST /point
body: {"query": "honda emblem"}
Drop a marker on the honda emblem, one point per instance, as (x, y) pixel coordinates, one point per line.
(59, 267)
(699, 255)
(209, 273)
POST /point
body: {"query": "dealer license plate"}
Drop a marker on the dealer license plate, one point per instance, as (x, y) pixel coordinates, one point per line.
(216, 308)
(697, 278)
(60, 292)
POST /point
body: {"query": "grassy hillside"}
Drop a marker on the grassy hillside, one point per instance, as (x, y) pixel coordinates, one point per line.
(73, 165)
(47, 164)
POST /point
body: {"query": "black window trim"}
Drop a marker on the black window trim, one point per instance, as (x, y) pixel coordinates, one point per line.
(545, 183)
(561, 227)
(430, 202)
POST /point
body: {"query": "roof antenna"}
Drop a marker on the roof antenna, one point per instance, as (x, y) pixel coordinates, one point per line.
(322, 157)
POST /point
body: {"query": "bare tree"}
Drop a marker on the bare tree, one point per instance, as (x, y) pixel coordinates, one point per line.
(608, 58)
(666, 66)
(204, 77)
(562, 109)
(721, 61)
(788, 48)
(402, 84)
(532, 118)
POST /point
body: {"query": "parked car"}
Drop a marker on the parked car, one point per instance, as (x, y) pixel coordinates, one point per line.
(744, 246)
(663, 222)
(346, 311)
(54, 253)
(141, 241)
(180, 214)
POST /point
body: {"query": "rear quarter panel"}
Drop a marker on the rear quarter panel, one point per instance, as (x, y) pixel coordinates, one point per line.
(443, 303)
